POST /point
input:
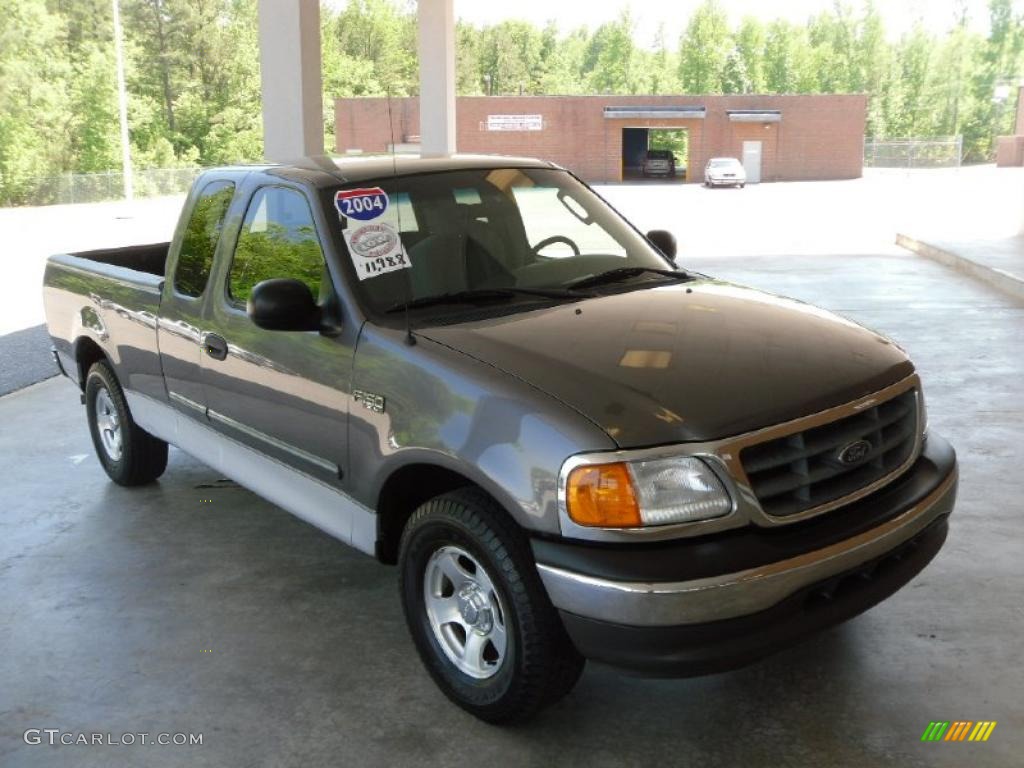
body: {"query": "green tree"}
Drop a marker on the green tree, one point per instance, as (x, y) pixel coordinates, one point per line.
(565, 66)
(510, 57)
(949, 76)
(735, 78)
(875, 72)
(33, 103)
(613, 58)
(194, 66)
(914, 54)
(833, 39)
(704, 49)
(788, 67)
(384, 34)
(91, 139)
(662, 67)
(995, 76)
(750, 43)
(467, 60)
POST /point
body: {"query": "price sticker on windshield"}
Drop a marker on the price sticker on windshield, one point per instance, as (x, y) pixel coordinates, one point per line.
(376, 249)
(363, 204)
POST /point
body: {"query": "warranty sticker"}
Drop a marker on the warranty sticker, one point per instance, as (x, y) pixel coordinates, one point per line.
(362, 204)
(376, 249)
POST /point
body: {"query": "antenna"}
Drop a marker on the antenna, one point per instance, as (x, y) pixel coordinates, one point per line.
(409, 338)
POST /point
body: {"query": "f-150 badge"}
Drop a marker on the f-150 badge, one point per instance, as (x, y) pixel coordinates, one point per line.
(368, 400)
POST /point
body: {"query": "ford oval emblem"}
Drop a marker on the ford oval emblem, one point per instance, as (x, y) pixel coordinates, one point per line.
(854, 453)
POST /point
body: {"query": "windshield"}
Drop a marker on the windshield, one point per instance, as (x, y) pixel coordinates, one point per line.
(413, 237)
(727, 163)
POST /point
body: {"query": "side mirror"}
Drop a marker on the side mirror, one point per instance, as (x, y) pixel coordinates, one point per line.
(664, 241)
(284, 304)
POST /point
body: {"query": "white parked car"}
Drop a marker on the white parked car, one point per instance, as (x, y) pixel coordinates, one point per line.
(724, 171)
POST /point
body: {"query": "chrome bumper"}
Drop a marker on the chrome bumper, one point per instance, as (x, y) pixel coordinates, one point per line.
(661, 604)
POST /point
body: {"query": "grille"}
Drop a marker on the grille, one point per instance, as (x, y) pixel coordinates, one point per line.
(801, 471)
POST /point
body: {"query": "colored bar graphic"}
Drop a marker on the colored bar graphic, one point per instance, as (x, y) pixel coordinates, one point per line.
(982, 731)
(958, 730)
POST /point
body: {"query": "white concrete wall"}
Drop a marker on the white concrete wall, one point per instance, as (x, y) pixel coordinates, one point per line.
(290, 71)
(437, 76)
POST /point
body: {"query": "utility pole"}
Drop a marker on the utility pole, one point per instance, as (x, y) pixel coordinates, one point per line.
(122, 104)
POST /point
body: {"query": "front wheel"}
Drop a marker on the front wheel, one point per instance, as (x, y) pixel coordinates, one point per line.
(478, 613)
(130, 455)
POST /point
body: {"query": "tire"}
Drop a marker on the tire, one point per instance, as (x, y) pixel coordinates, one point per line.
(129, 455)
(742, 186)
(526, 661)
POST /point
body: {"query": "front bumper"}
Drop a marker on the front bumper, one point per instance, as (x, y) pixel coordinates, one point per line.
(622, 606)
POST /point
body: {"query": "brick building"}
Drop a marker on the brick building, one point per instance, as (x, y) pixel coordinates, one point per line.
(599, 137)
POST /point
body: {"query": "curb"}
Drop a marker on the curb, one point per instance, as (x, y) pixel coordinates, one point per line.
(997, 278)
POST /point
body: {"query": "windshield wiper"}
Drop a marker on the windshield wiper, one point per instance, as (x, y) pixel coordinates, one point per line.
(622, 273)
(474, 295)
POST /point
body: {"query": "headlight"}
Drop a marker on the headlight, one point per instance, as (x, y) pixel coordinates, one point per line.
(637, 494)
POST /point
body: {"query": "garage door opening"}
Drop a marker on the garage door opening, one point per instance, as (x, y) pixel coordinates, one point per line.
(655, 154)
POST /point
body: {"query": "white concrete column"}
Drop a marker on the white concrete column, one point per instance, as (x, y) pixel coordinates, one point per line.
(437, 76)
(293, 110)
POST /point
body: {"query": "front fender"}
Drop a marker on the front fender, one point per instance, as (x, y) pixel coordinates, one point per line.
(438, 406)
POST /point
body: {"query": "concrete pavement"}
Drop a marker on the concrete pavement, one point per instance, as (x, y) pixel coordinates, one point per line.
(998, 262)
(25, 357)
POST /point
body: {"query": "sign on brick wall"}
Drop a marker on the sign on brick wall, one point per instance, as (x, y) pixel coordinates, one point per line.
(513, 123)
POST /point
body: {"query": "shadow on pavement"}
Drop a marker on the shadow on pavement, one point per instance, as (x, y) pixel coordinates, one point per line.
(25, 358)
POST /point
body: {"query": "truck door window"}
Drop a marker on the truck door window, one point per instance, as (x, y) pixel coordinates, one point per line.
(278, 239)
(200, 239)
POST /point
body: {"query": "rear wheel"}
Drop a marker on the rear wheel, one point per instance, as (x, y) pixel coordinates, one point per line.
(478, 613)
(130, 455)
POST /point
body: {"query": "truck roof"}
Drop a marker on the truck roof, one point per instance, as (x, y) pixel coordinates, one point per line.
(326, 171)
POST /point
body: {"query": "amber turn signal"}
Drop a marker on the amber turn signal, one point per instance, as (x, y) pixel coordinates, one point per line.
(602, 495)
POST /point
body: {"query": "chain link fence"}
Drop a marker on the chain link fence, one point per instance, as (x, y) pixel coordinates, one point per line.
(98, 187)
(942, 152)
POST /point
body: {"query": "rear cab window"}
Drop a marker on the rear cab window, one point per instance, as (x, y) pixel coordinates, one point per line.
(198, 244)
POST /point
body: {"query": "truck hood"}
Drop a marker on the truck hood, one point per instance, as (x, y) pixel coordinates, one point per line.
(685, 362)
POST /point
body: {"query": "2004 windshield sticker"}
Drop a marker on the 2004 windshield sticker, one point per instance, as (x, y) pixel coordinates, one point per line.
(375, 246)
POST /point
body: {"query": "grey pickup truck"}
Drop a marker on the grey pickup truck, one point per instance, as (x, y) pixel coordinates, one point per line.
(476, 369)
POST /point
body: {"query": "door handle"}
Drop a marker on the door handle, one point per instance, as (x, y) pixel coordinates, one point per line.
(215, 346)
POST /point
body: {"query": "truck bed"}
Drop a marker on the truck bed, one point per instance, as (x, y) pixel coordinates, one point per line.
(140, 258)
(108, 298)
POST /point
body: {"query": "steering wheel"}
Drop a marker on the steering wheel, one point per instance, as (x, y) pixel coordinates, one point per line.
(552, 240)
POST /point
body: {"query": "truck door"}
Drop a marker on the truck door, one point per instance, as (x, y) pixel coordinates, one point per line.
(179, 330)
(282, 393)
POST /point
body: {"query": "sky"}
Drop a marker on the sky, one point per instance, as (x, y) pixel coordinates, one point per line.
(899, 15)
